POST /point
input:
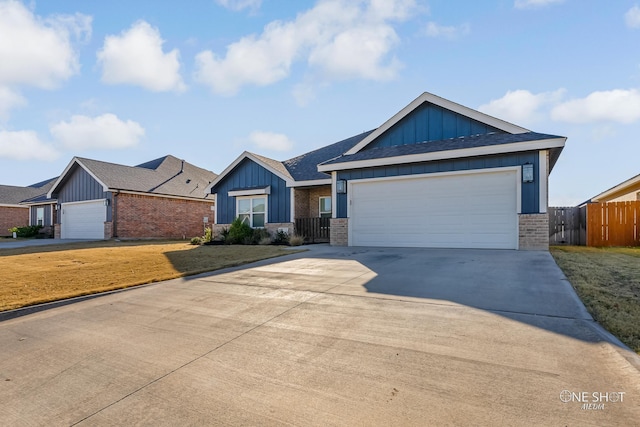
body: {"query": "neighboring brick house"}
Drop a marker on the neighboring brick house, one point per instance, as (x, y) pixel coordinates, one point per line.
(23, 206)
(162, 198)
(436, 174)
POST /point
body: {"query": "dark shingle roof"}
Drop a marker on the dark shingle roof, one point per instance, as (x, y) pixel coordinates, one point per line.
(305, 166)
(12, 195)
(473, 141)
(167, 175)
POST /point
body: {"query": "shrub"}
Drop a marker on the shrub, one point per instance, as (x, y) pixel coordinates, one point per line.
(296, 240)
(28, 231)
(196, 241)
(258, 235)
(281, 238)
(239, 233)
(207, 235)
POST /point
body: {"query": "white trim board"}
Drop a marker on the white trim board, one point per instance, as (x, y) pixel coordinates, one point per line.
(449, 154)
(250, 192)
(8, 205)
(236, 162)
(444, 103)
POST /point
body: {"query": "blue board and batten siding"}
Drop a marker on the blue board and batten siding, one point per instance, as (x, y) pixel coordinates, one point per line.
(430, 122)
(530, 191)
(79, 187)
(247, 175)
(33, 212)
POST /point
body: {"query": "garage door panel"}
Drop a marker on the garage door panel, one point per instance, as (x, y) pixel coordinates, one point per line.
(471, 210)
(83, 220)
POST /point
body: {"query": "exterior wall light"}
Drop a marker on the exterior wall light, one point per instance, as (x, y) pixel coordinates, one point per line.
(341, 186)
(527, 172)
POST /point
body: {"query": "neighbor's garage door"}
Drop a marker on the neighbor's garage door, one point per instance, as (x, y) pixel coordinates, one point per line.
(471, 210)
(83, 220)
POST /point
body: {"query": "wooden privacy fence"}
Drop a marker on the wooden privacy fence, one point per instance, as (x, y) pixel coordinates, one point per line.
(568, 226)
(613, 224)
(314, 230)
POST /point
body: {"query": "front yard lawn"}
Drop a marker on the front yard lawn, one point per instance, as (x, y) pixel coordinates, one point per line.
(608, 282)
(48, 273)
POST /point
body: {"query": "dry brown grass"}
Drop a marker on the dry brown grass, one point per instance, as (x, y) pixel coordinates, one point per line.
(48, 273)
(608, 282)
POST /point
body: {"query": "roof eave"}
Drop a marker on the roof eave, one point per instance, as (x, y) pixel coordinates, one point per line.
(618, 188)
(236, 162)
(545, 144)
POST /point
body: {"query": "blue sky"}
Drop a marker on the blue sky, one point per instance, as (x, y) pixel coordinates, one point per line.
(204, 80)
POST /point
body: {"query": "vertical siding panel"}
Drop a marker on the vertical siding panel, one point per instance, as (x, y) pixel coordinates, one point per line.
(448, 124)
(435, 123)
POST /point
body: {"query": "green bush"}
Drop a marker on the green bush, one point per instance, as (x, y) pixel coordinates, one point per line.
(207, 235)
(258, 235)
(196, 241)
(29, 231)
(239, 233)
(281, 238)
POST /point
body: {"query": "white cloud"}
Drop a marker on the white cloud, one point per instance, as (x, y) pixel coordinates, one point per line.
(106, 131)
(24, 145)
(38, 52)
(433, 29)
(632, 17)
(240, 4)
(9, 99)
(270, 141)
(136, 57)
(526, 4)
(339, 39)
(619, 105)
(521, 106)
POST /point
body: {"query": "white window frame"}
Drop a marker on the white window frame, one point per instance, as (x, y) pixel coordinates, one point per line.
(38, 210)
(320, 212)
(251, 198)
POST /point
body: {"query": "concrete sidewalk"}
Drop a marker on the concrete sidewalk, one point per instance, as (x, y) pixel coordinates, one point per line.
(334, 336)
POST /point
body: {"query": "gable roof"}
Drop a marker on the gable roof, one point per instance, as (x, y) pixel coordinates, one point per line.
(630, 183)
(166, 175)
(441, 102)
(273, 166)
(467, 146)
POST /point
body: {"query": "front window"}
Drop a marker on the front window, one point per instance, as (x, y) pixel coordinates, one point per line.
(325, 207)
(253, 211)
(40, 216)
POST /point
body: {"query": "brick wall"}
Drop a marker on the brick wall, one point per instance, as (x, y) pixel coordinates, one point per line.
(307, 201)
(533, 232)
(139, 216)
(12, 217)
(339, 232)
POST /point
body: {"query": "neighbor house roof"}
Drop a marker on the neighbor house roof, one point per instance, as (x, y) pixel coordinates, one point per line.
(166, 175)
(14, 195)
(629, 185)
(467, 146)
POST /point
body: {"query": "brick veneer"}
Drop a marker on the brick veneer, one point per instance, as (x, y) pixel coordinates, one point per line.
(12, 217)
(533, 232)
(273, 227)
(307, 204)
(138, 216)
(339, 234)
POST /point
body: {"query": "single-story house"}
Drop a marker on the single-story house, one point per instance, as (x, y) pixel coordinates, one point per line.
(436, 174)
(23, 206)
(162, 198)
(627, 191)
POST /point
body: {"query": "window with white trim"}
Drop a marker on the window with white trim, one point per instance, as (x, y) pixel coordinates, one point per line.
(252, 210)
(39, 216)
(325, 207)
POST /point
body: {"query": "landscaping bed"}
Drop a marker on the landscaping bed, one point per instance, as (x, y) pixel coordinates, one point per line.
(607, 280)
(36, 275)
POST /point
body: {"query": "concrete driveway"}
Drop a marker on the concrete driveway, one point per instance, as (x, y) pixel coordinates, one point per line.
(333, 336)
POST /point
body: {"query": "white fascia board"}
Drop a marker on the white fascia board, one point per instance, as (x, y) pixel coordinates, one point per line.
(448, 154)
(165, 196)
(9, 205)
(236, 162)
(446, 104)
(311, 183)
(620, 187)
(543, 181)
(251, 192)
(73, 161)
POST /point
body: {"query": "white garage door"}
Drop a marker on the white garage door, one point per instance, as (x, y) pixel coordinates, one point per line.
(83, 220)
(471, 210)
